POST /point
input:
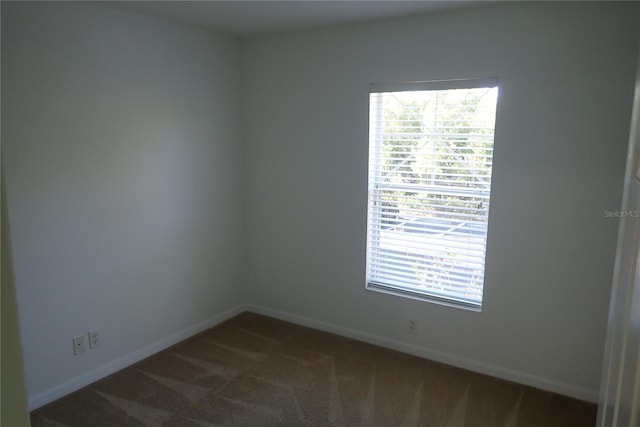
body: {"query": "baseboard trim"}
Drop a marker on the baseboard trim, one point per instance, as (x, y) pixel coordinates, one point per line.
(127, 360)
(437, 356)
(109, 368)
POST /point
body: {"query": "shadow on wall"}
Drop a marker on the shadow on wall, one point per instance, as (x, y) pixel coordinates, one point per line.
(13, 394)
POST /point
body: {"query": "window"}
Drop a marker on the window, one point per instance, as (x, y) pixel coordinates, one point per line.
(430, 159)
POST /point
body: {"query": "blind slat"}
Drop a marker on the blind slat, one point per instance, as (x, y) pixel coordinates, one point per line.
(434, 85)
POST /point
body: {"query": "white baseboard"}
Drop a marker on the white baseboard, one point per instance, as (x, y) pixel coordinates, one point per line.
(100, 372)
(437, 356)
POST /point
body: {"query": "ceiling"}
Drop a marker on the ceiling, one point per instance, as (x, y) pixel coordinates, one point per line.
(248, 18)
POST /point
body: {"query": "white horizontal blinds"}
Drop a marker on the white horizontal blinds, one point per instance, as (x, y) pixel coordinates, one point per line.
(431, 152)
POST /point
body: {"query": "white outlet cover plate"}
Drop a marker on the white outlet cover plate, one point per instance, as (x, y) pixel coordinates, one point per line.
(78, 345)
(94, 338)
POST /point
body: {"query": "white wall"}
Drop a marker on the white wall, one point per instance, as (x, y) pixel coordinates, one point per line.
(565, 73)
(123, 175)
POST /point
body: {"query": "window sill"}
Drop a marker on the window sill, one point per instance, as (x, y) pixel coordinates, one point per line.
(418, 296)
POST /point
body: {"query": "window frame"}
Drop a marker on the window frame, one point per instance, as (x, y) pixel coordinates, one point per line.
(387, 288)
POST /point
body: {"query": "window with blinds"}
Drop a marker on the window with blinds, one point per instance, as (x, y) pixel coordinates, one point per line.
(430, 158)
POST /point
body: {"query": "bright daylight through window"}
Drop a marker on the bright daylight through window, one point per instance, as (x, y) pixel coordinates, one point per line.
(430, 158)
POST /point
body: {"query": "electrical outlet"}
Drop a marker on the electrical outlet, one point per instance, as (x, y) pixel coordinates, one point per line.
(94, 338)
(412, 327)
(78, 345)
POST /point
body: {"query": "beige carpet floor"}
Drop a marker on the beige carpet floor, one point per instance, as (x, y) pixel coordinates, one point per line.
(257, 371)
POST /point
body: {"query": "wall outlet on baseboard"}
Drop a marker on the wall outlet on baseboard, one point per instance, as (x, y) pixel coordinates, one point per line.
(412, 327)
(94, 338)
(78, 345)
